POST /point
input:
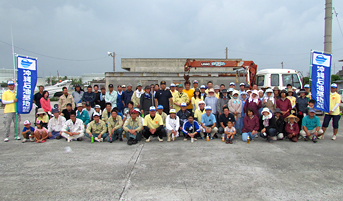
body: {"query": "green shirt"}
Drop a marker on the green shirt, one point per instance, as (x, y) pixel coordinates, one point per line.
(97, 128)
(309, 123)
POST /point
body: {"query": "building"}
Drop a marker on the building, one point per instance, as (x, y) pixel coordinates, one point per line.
(153, 70)
(6, 74)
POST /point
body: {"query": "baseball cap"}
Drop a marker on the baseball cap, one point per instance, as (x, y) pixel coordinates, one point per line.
(79, 105)
(195, 81)
(334, 85)
(208, 108)
(201, 102)
(10, 82)
(307, 86)
(172, 111)
(97, 106)
(180, 86)
(172, 85)
(55, 110)
(27, 122)
(163, 82)
(202, 87)
(123, 86)
(224, 91)
(231, 89)
(242, 84)
(152, 108)
(134, 112)
(216, 87)
(232, 83)
(183, 105)
(160, 107)
(139, 84)
(311, 110)
(110, 86)
(147, 87)
(96, 114)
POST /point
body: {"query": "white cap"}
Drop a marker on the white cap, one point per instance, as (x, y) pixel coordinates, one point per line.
(96, 114)
(172, 85)
(232, 83)
(208, 108)
(269, 90)
(27, 122)
(235, 92)
(97, 106)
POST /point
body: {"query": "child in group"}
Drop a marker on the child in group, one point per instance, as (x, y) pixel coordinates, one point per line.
(28, 131)
(41, 133)
(292, 128)
(43, 117)
(230, 132)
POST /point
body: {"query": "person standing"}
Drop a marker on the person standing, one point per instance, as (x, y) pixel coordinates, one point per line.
(284, 104)
(10, 101)
(307, 90)
(212, 101)
(301, 105)
(172, 90)
(203, 92)
(241, 88)
(96, 91)
(223, 101)
(147, 100)
(334, 114)
(180, 97)
(164, 97)
(89, 97)
(38, 96)
(136, 96)
(120, 104)
(190, 93)
(111, 96)
(65, 99)
(195, 84)
(77, 94)
(126, 96)
(100, 98)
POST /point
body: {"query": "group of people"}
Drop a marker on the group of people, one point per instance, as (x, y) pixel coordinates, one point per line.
(180, 110)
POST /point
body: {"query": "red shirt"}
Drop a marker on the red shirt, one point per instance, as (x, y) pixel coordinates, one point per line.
(45, 104)
(284, 105)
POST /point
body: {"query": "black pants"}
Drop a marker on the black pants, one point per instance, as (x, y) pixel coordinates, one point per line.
(147, 134)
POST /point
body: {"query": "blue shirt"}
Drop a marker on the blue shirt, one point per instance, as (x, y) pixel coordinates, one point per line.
(208, 120)
(31, 128)
(126, 97)
(190, 127)
(309, 123)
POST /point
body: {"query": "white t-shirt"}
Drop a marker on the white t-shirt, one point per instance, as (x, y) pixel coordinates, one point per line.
(232, 129)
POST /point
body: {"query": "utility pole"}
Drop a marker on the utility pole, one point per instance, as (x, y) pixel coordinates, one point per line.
(282, 65)
(114, 61)
(328, 27)
(227, 52)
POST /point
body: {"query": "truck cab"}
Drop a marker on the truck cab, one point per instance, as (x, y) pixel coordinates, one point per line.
(278, 78)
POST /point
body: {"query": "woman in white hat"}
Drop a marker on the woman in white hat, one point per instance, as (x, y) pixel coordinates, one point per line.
(268, 125)
(235, 107)
(253, 102)
(269, 100)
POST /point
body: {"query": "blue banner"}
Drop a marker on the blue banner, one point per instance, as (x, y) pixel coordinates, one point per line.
(321, 80)
(26, 83)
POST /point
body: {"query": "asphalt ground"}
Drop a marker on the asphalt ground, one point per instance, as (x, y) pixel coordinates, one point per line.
(283, 170)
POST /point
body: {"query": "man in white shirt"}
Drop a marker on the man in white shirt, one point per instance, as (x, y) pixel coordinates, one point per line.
(73, 128)
(55, 125)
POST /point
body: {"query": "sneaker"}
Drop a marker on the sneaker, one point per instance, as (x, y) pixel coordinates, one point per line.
(32, 139)
(314, 139)
(24, 140)
(6, 140)
(202, 138)
(129, 142)
(43, 141)
(211, 138)
(230, 141)
(79, 139)
(159, 139)
(195, 139)
(300, 137)
(226, 142)
(134, 141)
(333, 137)
(68, 140)
(101, 139)
(184, 139)
(96, 139)
(148, 140)
(321, 137)
(17, 138)
(111, 140)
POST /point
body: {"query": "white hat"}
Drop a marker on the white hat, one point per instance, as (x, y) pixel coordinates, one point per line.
(172, 85)
(183, 104)
(232, 83)
(96, 114)
(152, 108)
(97, 106)
(255, 92)
(334, 85)
(200, 102)
(172, 111)
(235, 92)
(27, 122)
(269, 90)
(231, 89)
(208, 108)
(242, 84)
(211, 90)
(202, 87)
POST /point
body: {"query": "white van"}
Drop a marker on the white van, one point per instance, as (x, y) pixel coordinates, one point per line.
(278, 77)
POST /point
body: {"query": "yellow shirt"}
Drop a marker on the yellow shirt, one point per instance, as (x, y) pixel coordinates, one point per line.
(44, 119)
(198, 114)
(334, 99)
(179, 98)
(292, 99)
(9, 96)
(174, 93)
(153, 123)
(190, 94)
(217, 95)
(196, 102)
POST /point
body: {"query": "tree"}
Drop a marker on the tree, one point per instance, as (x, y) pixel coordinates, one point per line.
(75, 81)
(335, 78)
(306, 80)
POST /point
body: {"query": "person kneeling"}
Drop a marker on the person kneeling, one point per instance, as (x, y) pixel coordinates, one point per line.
(115, 127)
(96, 128)
(250, 125)
(268, 125)
(41, 133)
(292, 128)
(311, 126)
(191, 128)
(153, 125)
(73, 128)
(133, 127)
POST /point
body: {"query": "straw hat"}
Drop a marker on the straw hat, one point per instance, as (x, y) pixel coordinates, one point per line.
(40, 111)
(292, 116)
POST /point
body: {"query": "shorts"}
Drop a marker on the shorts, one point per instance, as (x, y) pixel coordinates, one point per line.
(335, 120)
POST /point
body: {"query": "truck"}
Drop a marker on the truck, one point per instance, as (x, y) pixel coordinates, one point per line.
(267, 78)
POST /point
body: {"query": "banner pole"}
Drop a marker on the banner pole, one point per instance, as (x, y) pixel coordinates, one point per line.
(15, 82)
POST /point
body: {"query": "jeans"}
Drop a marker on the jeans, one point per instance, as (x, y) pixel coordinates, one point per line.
(238, 126)
(117, 134)
(271, 132)
(54, 134)
(245, 136)
(103, 136)
(138, 136)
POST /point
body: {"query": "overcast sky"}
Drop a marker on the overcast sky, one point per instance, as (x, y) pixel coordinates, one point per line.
(267, 32)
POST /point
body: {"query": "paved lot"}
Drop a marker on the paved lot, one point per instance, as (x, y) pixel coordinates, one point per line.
(171, 171)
